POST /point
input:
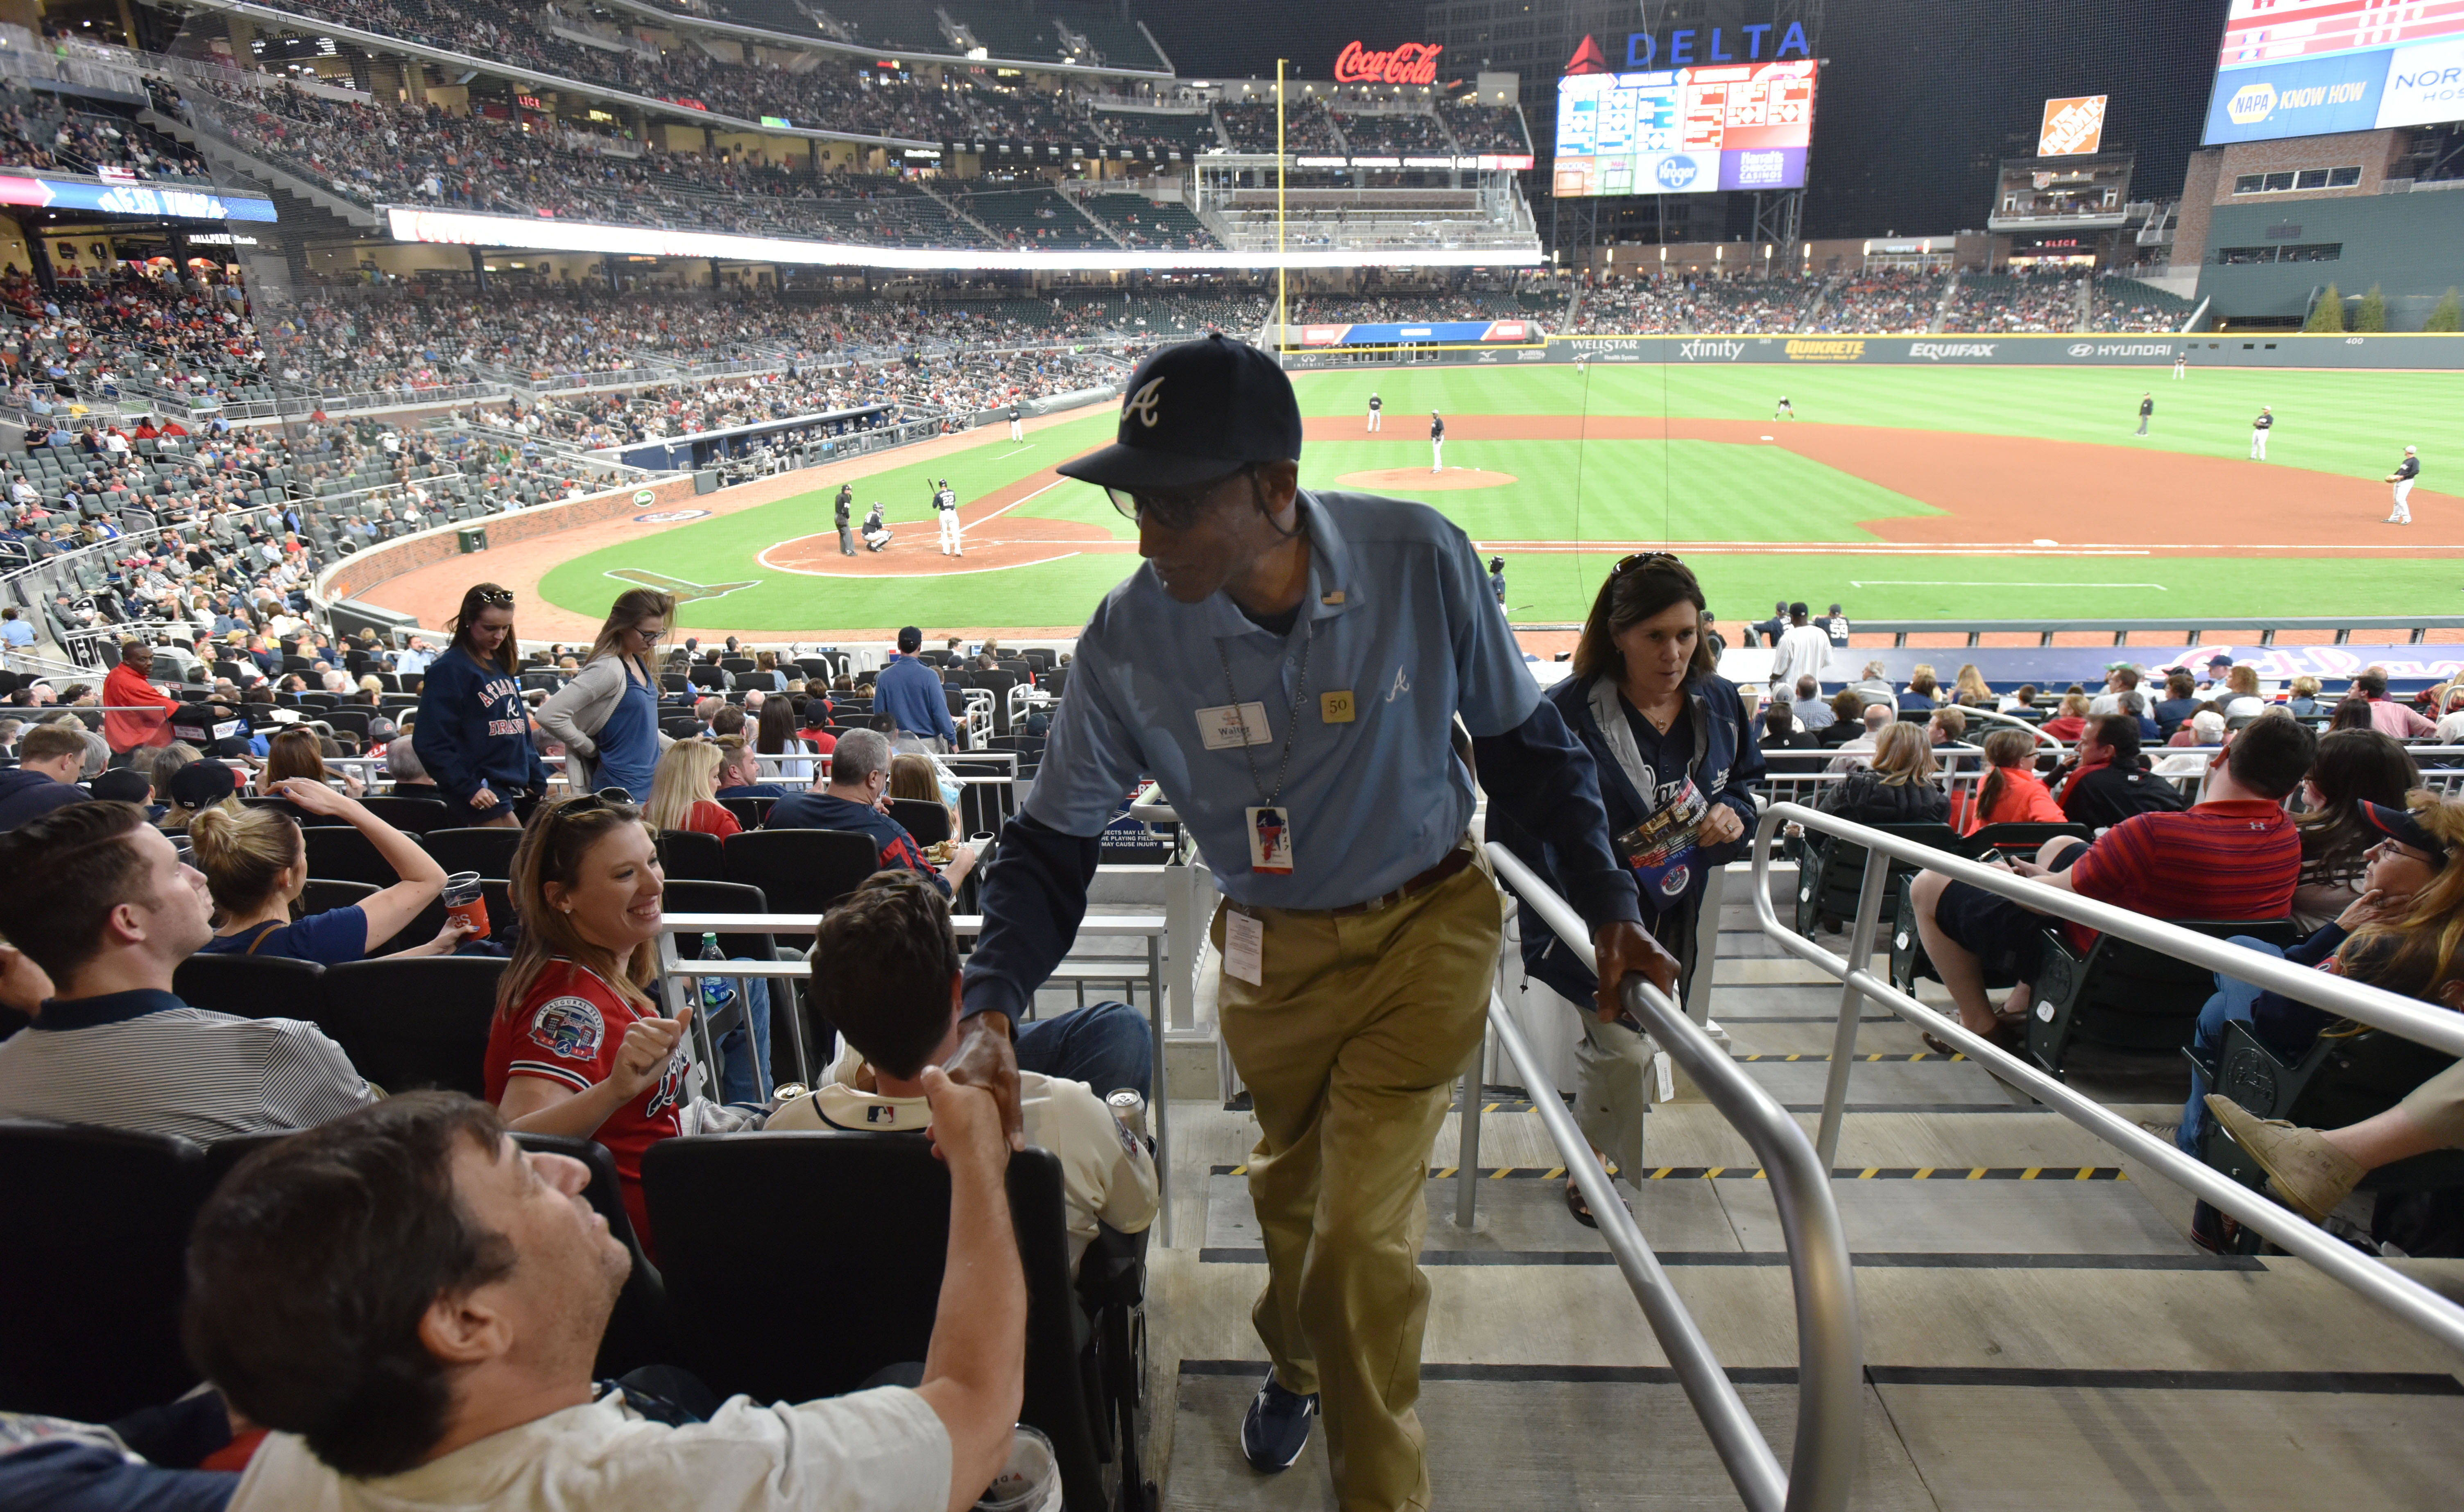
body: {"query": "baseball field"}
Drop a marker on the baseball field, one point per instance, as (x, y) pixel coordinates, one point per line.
(1900, 493)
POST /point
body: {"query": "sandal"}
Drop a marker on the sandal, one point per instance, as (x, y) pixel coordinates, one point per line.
(2009, 1034)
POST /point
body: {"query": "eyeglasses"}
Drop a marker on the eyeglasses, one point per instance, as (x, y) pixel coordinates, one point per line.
(649, 637)
(1176, 510)
(606, 799)
(499, 597)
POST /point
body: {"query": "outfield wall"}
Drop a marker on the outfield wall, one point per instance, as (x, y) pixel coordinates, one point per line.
(2204, 348)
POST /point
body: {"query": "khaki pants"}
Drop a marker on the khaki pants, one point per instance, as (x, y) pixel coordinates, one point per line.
(1348, 1049)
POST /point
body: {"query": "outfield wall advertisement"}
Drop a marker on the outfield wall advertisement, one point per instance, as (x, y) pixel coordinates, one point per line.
(2204, 349)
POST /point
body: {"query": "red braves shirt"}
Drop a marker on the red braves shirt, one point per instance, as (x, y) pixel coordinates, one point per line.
(566, 1030)
(2235, 860)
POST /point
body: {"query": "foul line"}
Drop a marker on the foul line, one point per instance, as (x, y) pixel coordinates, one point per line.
(955, 572)
(1960, 582)
(966, 525)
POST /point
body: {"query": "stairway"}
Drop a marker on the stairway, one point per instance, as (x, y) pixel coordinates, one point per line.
(1949, 298)
(2035, 1316)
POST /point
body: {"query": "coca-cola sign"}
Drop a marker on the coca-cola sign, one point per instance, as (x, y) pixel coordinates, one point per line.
(1412, 63)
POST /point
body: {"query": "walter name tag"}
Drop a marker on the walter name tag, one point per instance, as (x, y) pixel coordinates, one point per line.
(1229, 725)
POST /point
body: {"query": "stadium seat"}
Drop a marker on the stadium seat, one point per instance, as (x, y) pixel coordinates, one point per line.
(716, 1204)
(342, 854)
(927, 821)
(251, 986)
(692, 856)
(418, 1023)
(486, 850)
(1830, 870)
(638, 1332)
(801, 870)
(2122, 994)
(416, 816)
(749, 812)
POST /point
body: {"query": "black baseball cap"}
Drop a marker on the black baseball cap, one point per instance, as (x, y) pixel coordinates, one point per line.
(201, 784)
(1193, 412)
(2399, 826)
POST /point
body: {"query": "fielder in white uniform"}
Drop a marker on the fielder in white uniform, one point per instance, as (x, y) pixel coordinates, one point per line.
(1437, 440)
(1017, 423)
(2402, 477)
(1376, 409)
(2258, 429)
(945, 505)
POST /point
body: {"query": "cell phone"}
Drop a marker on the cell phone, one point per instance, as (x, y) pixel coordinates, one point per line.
(1991, 856)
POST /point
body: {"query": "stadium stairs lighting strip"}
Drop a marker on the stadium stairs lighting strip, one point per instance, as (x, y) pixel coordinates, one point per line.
(532, 234)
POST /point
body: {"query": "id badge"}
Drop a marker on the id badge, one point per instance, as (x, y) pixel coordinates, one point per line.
(1227, 726)
(1244, 947)
(1271, 841)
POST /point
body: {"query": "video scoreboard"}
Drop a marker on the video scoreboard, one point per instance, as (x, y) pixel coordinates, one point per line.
(1685, 130)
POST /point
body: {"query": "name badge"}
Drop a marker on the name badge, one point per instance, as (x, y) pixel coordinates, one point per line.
(1244, 947)
(1271, 841)
(1228, 726)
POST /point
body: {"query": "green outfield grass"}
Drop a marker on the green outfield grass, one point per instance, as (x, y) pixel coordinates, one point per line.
(2352, 424)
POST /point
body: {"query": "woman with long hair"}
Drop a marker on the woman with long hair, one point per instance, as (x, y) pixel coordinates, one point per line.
(766, 674)
(2404, 933)
(607, 717)
(776, 736)
(683, 795)
(2071, 721)
(256, 864)
(2353, 767)
(473, 733)
(1969, 687)
(578, 1048)
(298, 753)
(2243, 700)
(1898, 788)
(1677, 767)
(1924, 694)
(2011, 792)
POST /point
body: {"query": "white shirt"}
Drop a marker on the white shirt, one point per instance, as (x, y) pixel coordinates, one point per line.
(878, 1451)
(1804, 649)
(1105, 1172)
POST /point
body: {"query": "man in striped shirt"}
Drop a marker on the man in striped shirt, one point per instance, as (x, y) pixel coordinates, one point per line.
(2234, 857)
(104, 906)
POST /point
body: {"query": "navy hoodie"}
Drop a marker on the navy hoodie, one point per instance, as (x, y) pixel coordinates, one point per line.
(27, 796)
(473, 728)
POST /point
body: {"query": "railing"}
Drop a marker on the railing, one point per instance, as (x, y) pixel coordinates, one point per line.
(1830, 1405)
(26, 586)
(2436, 1028)
(2188, 631)
(674, 969)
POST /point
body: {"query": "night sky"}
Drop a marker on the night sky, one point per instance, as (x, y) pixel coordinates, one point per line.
(1921, 99)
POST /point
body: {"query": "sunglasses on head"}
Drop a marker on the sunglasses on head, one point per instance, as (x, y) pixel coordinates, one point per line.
(499, 597)
(607, 798)
(1646, 558)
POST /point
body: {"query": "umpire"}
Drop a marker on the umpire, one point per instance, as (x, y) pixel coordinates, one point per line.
(1360, 927)
(845, 509)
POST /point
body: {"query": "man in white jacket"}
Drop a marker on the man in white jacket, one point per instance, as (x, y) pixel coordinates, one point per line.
(1804, 650)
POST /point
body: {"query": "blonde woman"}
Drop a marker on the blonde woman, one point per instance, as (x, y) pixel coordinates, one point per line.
(255, 865)
(683, 791)
(1924, 694)
(607, 717)
(1899, 788)
(1969, 687)
(195, 788)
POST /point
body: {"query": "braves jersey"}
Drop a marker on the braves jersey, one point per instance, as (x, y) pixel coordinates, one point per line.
(566, 1030)
(1437, 428)
(2408, 470)
(1375, 403)
(2263, 421)
(945, 500)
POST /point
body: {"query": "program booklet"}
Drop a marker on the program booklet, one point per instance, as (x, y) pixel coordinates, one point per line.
(1661, 850)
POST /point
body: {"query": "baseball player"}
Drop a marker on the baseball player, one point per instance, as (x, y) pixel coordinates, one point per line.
(2402, 477)
(1784, 408)
(2258, 429)
(1375, 405)
(945, 505)
(2146, 407)
(1437, 440)
(876, 535)
(1017, 423)
(1580, 363)
(2181, 366)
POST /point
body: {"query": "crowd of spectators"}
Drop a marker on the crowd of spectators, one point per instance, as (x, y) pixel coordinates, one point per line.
(1487, 128)
(1679, 303)
(37, 131)
(1883, 302)
(2125, 304)
(1987, 302)
(1306, 127)
(124, 330)
(1392, 132)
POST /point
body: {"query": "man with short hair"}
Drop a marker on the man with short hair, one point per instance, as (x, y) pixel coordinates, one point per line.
(115, 916)
(2405, 472)
(2118, 678)
(1810, 709)
(407, 773)
(411, 1302)
(848, 797)
(2236, 856)
(843, 510)
(892, 989)
(1858, 752)
(909, 692)
(2108, 782)
(2388, 716)
(739, 772)
(1804, 650)
(135, 711)
(50, 760)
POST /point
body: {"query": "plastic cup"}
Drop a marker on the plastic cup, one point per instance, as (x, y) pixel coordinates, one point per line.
(1030, 1482)
(465, 901)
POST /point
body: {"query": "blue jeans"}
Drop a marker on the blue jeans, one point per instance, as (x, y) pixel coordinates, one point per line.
(736, 1067)
(2232, 1004)
(1107, 1045)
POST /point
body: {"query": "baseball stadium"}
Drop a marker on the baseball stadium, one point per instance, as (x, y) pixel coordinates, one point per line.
(1072, 755)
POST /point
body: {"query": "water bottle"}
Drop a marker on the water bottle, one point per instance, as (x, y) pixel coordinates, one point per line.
(718, 993)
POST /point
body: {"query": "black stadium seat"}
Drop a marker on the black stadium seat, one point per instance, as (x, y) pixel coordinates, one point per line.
(801, 870)
(345, 855)
(487, 849)
(251, 986)
(417, 1023)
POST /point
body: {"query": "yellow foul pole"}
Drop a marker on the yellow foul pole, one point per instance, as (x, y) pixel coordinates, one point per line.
(1282, 309)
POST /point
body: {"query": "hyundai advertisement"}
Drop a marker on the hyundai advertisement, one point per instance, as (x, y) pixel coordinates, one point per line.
(1685, 130)
(2303, 68)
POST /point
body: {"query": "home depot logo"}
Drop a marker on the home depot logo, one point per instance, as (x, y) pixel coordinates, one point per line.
(1813, 351)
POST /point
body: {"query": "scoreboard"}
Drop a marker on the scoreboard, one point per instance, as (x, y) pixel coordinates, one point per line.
(1685, 130)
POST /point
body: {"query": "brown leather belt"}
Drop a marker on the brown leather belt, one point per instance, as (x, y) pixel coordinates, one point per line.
(1456, 859)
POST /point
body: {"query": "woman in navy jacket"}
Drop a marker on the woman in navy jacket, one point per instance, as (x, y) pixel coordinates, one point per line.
(473, 733)
(1677, 766)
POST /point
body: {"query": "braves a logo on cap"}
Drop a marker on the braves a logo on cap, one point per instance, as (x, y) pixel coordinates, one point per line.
(1143, 402)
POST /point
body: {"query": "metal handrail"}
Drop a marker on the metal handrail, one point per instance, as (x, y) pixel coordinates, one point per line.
(1830, 1407)
(2437, 1028)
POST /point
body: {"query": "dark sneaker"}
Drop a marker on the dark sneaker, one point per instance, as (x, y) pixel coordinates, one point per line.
(1276, 1427)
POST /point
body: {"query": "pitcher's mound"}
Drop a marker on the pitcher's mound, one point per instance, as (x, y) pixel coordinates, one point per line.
(1420, 480)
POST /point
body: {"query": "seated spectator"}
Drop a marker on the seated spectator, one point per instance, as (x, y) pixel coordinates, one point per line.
(1811, 710)
(776, 736)
(2206, 727)
(925, 779)
(683, 791)
(1969, 687)
(2105, 781)
(2067, 725)
(2313, 1171)
(2120, 679)
(1899, 788)
(2179, 703)
(48, 761)
(739, 772)
(849, 797)
(2020, 700)
(2353, 712)
(1948, 726)
(578, 1048)
(1923, 694)
(1874, 687)
(2233, 857)
(115, 915)
(728, 719)
(2353, 768)
(2451, 714)
(255, 865)
(1858, 752)
(2011, 793)
(766, 673)
(299, 752)
(411, 1303)
(1847, 719)
(2134, 703)
(2398, 934)
(2242, 700)
(2388, 716)
(196, 787)
(409, 777)
(1781, 733)
(891, 990)
(2304, 696)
